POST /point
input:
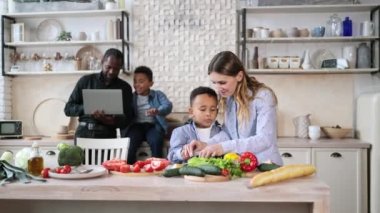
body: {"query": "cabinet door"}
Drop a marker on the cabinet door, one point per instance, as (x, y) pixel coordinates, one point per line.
(295, 155)
(345, 171)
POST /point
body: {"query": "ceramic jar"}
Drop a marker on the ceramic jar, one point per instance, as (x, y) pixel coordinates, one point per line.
(364, 56)
(334, 26)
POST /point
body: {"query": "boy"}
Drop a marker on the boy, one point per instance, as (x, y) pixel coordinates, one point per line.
(203, 111)
(151, 107)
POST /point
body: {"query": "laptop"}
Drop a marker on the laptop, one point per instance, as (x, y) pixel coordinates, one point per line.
(108, 100)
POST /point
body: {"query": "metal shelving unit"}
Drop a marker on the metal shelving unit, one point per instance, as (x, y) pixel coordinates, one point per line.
(242, 41)
(124, 41)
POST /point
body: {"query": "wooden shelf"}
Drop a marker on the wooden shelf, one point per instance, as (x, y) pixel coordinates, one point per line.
(312, 71)
(79, 72)
(60, 14)
(312, 39)
(43, 73)
(313, 8)
(63, 43)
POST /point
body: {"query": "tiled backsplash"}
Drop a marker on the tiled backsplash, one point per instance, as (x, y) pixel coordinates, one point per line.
(178, 38)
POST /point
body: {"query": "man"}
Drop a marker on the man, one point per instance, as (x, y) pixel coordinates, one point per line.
(98, 124)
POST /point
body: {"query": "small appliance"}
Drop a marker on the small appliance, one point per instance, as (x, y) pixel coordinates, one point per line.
(10, 129)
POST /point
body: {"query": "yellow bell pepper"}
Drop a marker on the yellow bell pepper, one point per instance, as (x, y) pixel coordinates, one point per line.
(231, 155)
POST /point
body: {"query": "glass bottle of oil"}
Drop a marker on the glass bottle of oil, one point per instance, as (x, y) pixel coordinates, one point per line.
(35, 162)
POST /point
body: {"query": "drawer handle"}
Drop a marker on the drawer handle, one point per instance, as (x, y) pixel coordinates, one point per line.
(336, 155)
(286, 155)
(50, 152)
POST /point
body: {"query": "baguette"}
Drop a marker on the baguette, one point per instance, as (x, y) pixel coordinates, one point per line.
(281, 174)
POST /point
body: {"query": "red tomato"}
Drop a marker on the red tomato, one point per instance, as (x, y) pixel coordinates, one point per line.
(45, 173)
(158, 165)
(114, 164)
(136, 168)
(148, 168)
(125, 168)
(225, 172)
(67, 169)
(57, 170)
(140, 163)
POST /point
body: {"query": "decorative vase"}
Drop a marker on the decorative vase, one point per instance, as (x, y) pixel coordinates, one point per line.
(364, 56)
(306, 65)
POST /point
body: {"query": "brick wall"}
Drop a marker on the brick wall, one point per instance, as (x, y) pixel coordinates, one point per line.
(178, 38)
(5, 98)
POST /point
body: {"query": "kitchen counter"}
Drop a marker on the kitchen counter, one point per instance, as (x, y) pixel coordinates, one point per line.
(291, 142)
(114, 193)
(283, 142)
(46, 141)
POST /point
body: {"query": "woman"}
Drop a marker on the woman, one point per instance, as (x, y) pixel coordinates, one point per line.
(249, 109)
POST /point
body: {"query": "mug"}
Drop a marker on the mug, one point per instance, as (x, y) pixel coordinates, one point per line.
(95, 36)
(367, 28)
(314, 132)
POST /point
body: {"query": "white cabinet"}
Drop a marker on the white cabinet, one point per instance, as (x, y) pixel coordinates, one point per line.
(303, 17)
(343, 169)
(40, 53)
(295, 155)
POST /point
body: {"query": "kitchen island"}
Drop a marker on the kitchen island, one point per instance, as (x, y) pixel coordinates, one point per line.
(114, 193)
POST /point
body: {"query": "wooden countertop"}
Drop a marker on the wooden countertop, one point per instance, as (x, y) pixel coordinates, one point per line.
(153, 188)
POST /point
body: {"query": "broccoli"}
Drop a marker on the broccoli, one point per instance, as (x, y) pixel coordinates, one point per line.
(72, 155)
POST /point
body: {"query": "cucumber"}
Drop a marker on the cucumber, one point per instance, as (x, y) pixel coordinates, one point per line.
(267, 167)
(171, 172)
(210, 169)
(190, 170)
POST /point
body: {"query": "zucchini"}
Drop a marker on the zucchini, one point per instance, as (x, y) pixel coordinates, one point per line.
(171, 172)
(210, 169)
(267, 167)
(191, 170)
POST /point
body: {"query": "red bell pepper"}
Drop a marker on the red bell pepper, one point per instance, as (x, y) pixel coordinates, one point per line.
(248, 162)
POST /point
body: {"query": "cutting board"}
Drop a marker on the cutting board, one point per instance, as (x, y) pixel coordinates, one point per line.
(207, 178)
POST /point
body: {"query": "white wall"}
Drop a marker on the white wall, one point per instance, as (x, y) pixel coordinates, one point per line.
(179, 55)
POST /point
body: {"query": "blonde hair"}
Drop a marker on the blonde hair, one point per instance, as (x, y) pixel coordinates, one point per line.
(227, 63)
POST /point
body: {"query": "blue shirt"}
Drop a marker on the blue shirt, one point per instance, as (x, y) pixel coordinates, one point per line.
(158, 100)
(258, 134)
(184, 135)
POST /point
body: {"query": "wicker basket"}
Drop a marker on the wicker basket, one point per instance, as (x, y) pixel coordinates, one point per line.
(336, 133)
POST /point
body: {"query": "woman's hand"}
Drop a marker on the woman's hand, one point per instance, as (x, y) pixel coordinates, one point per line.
(211, 151)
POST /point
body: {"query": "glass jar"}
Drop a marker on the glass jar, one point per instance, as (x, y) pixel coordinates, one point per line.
(334, 26)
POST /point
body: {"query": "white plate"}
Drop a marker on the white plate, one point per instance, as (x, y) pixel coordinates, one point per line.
(49, 115)
(96, 172)
(49, 30)
(319, 56)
